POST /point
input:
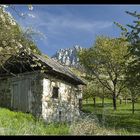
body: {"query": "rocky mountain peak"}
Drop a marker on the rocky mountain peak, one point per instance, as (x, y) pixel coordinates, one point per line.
(68, 56)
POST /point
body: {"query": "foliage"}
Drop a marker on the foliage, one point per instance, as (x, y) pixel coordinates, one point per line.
(132, 34)
(95, 89)
(105, 61)
(8, 35)
(13, 39)
(90, 91)
(133, 93)
(133, 57)
(124, 95)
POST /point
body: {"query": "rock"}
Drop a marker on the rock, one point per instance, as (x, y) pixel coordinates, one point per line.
(68, 56)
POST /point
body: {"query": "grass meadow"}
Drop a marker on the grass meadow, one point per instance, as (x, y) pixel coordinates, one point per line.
(107, 122)
(122, 118)
(18, 123)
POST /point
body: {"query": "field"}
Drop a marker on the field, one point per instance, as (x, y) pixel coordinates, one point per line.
(18, 123)
(120, 122)
(120, 119)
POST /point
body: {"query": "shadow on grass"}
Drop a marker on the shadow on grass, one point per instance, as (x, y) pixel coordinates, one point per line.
(131, 124)
(120, 119)
(122, 109)
(98, 105)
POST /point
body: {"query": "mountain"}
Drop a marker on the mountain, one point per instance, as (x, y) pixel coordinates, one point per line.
(68, 56)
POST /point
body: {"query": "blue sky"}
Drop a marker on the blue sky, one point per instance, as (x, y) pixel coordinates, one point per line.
(67, 25)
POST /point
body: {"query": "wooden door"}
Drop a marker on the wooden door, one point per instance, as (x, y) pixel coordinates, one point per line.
(15, 96)
(20, 94)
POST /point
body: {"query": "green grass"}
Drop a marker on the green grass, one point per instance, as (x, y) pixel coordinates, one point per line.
(120, 119)
(18, 123)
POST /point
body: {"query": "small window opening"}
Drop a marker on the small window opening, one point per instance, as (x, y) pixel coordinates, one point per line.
(60, 115)
(55, 92)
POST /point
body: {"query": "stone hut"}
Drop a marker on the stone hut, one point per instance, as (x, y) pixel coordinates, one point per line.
(53, 94)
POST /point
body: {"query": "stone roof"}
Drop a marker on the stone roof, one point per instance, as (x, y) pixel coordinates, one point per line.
(57, 67)
(14, 64)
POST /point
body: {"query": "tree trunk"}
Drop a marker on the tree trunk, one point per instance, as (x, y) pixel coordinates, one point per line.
(94, 101)
(86, 101)
(114, 102)
(125, 100)
(133, 106)
(120, 101)
(103, 102)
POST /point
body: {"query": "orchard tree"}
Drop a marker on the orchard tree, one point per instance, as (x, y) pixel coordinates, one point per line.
(95, 89)
(12, 38)
(132, 35)
(9, 35)
(125, 94)
(103, 93)
(134, 93)
(86, 94)
(105, 60)
(134, 89)
(91, 91)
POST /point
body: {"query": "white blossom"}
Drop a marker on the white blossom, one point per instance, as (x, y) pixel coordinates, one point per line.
(19, 45)
(4, 43)
(2, 17)
(30, 7)
(5, 6)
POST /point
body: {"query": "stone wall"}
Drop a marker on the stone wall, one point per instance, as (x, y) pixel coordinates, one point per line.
(65, 107)
(41, 103)
(36, 95)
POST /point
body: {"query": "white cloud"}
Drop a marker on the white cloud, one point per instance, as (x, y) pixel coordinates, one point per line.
(85, 25)
(63, 24)
(59, 23)
(31, 15)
